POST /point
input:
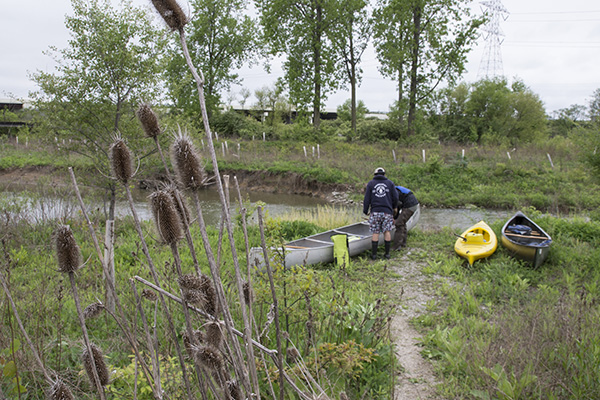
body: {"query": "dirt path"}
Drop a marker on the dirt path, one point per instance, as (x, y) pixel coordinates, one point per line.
(417, 380)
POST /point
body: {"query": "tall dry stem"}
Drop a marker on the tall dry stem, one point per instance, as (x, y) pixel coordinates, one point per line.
(170, 228)
(122, 321)
(68, 257)
(275, 304)
(156, 278)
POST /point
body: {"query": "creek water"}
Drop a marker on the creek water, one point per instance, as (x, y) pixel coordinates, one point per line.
(37, 208)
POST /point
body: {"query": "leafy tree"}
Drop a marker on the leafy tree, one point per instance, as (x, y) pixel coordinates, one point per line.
(298, 29)
(594, 107)
(345, 111)
(272, 101)
(451, 114)
(351, 40)
(391, 30)
(491, 111)
(111, 63)
(567, 119)
(430, 39)
(530, 119)
(221, 38)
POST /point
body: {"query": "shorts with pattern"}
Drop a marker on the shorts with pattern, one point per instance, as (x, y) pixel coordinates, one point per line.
(380, 222)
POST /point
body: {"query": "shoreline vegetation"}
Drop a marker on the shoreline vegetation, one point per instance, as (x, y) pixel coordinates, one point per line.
(551, 178)
(496, 330)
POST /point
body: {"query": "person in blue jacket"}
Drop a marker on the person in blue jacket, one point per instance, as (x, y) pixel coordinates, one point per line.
(406, 207)
(381, 197)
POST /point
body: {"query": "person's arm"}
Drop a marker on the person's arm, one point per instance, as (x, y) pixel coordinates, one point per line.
(367, 201)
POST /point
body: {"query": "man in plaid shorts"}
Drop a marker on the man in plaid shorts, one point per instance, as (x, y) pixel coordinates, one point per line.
(381, 197)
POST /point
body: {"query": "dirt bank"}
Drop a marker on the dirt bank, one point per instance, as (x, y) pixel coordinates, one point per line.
(259, 181)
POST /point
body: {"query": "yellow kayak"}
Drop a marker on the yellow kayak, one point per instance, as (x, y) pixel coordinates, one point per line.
(479, 241)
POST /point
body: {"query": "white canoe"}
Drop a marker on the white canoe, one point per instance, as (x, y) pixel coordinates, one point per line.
(318, 248)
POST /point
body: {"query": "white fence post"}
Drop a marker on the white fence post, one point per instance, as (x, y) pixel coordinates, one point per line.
(304, 147)
(423, 155)
(550, 159)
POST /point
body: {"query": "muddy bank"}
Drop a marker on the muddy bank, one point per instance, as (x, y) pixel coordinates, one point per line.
(291, 183)
(259, 181)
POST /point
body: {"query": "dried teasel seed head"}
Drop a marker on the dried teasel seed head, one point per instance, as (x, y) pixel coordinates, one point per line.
(68, 253)
(292, 354)
(148, 120)
(172, 13)
(166, 217)
(180, 204)
(96, 359)
(149, 295)
(121, 160)
(187, 163)
(234, 390)
(248, 295)
(214, 334)
(211, 306)
(194, 297)
(190, 282)
(209, 357)
(93, 310)
(60, 391)
(199, 336)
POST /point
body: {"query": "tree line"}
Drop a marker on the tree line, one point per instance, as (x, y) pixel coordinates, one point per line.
(119, 57)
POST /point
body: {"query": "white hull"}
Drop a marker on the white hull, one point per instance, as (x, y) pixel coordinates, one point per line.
(319, 248)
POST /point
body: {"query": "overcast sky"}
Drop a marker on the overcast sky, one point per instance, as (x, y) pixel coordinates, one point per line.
(553, 46)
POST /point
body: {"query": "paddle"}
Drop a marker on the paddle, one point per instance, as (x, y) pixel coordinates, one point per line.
(462, 237)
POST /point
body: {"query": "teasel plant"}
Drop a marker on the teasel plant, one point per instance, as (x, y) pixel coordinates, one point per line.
(190, 174)
(151, 338)
(122, 167)
(69, 259)
(170, 229)
(151, 127)
(57, 388)
(122, 321)
(174, 17)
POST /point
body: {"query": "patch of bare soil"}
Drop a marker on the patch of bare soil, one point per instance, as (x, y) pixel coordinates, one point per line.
(11, 179)
(417, 380)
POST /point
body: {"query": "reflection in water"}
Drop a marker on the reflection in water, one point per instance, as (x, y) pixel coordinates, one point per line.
(275, 204)
(40, 208)
(458, 219)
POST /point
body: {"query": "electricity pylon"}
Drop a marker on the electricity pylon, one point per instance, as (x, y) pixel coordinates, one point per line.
(491, 61)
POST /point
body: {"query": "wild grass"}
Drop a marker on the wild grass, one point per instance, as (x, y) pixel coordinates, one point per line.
(326, 216)
(503, 330)
(493, 177)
